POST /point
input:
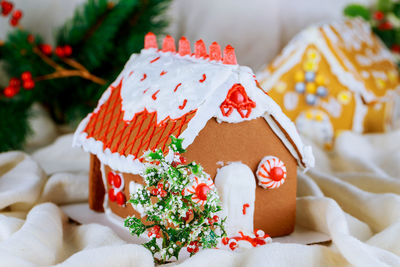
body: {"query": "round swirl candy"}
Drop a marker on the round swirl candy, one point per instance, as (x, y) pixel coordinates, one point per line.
(271, 172)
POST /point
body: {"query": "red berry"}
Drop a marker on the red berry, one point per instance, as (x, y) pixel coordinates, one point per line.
(196, 249)
(9, 91)
(15, 82)
(117, 181)
(182, 159)
(111, 195)
(276, 173)
(17, 14)
(31, 38)
(27, 75)
(215, 218)
(14, 22)
(67, 50)
(190, 250)
(237, 97)
(46, 49)
(163, 193)
(59, 51)
(396, 48)
(378, 15)
(28, 84)
(6, 7)
(201, 191)
(385, 26)
(110, 178)
(154, 192)
(121, 198)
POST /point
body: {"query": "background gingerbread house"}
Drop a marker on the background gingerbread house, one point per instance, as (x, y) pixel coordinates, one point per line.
(336, 77)
(219, 110)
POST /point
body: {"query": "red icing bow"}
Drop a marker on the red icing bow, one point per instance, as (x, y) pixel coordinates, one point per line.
(237, 99)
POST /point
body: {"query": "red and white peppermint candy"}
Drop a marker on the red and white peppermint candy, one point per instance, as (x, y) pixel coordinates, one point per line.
(199, 189)
(271, 172)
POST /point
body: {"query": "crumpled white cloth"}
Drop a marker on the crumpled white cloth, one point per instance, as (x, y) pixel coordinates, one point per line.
(353, 195)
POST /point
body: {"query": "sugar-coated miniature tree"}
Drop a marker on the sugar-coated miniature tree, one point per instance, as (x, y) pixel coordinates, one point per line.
(180, 203)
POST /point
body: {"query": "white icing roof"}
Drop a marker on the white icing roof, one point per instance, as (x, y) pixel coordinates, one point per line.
(172, 86)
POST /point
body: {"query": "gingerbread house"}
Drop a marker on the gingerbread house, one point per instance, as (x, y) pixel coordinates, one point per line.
(226, 120)
(336, 77)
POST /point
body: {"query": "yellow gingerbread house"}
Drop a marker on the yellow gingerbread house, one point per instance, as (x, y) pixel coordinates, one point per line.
(336, 77)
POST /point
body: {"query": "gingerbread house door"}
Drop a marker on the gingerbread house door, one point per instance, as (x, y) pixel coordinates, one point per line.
(236, 187)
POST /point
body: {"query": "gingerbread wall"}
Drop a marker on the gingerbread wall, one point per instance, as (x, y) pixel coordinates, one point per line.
(247, 142)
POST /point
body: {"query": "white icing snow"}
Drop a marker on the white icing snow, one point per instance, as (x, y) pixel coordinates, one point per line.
(290, 100)
(236, 186)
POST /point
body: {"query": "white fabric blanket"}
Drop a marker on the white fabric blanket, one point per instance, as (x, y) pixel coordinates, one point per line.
(353, 196)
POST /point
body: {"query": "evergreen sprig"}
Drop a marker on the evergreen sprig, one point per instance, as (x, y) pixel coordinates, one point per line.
(180, 203)
(102, 35)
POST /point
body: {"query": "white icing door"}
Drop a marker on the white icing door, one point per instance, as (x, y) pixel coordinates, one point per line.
(236, 187)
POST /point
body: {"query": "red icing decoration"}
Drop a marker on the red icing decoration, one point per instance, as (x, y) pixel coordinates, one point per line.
(110, 178)
(237, 99)
(183, 105)
(120, 198)
(163, 72)
(233, 245)
(143, 132)
(130, 74)
(111, 195)
(255, 242)
(245, 206)
(117, 180)
(200, 49)
(229, 55)
(201, 191)
(145, 90)
(154, 60)
(150, 41)
(203, 79)
(177, 86)
(184, 46)
(154, 96)
(276, 173)
(215, 52)
(168, 44)
(144, 77)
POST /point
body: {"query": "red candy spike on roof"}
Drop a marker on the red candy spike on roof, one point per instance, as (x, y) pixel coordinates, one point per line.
(215, 52)
(229, 55)
(150, 41)
(184, 46)
(168, 44)
(200, 49)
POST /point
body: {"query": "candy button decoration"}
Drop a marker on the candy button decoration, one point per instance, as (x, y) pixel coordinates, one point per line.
(115, 193)
(271, 172)
(311, 99)
(300, 87)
